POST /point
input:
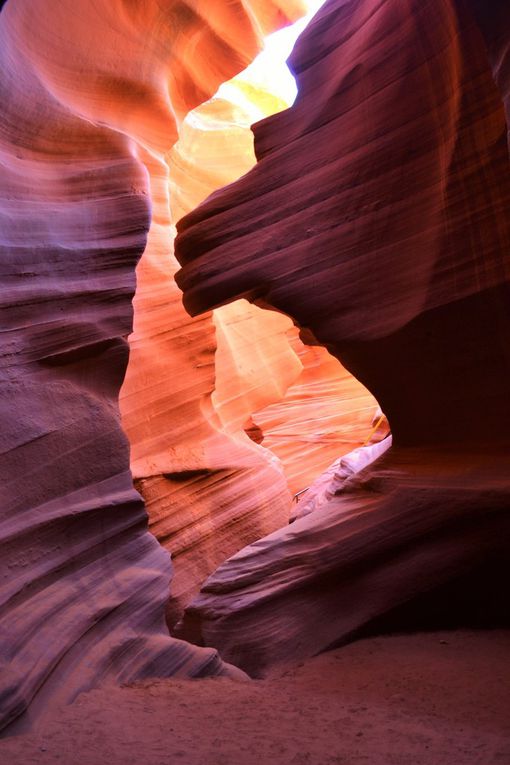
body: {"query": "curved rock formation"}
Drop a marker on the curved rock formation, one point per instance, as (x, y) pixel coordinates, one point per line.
(90, 93)
(326, 412)
(419, 537)
(185, 400)
(378, 217)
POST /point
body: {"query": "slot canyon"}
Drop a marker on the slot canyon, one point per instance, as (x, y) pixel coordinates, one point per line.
(254, 365)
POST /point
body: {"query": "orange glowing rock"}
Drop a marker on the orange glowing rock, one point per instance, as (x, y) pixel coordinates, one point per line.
(327, 412)
(191, 384)
(324, 414)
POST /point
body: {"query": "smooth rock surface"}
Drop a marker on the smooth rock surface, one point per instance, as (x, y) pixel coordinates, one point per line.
(191, 384)
(306, 406)
(378, 218)
(90, 94)
(325, 413)
(196, 388)
(417, 537)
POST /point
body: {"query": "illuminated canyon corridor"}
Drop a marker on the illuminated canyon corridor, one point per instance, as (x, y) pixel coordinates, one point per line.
(254, 382)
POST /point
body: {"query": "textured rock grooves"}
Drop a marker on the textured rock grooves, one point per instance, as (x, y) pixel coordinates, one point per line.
(378, 217)
(83, 584)
(192, 385)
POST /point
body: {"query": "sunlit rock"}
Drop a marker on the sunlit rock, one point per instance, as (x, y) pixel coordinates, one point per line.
(325, 411)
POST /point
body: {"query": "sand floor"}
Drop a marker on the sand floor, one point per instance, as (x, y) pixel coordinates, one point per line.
(434, 699)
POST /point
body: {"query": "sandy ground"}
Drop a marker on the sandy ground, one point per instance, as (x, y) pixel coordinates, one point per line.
(439, 699)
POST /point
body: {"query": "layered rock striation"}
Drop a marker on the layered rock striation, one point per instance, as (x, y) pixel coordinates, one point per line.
(196, 388)
(92, 94)
(191, 384)
(378, 218)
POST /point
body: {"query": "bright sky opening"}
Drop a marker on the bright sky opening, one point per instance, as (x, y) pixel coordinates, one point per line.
(269, 68)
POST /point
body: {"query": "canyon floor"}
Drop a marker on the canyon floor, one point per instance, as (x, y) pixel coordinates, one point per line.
(440, 698)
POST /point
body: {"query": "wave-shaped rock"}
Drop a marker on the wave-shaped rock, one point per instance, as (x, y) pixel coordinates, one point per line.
(89, 92)
(192, 384)
(378, 218)
(326, 412)
(306, 408)
(419, 538)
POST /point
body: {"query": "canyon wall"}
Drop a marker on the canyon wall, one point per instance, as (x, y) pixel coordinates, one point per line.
(92, 95)
(377, 217)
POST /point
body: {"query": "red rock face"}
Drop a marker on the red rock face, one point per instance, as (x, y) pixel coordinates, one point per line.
(88, 91)
(378, 218)
(383, 202)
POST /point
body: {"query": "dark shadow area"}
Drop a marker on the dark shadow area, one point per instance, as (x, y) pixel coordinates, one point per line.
(476, 600)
